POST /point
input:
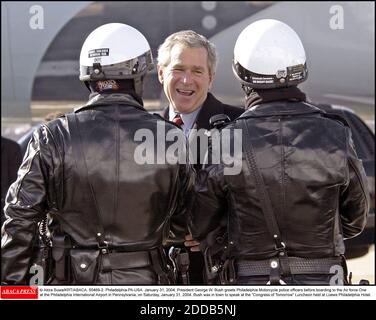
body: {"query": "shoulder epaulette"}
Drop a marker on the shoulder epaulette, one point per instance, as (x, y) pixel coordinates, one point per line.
(336, 117)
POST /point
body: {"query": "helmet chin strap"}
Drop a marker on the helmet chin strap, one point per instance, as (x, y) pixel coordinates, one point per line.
(87, 85)
(139, 85)
(248, 90)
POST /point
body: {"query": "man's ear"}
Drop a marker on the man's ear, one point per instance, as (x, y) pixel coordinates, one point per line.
(211, 79)
(160, 74)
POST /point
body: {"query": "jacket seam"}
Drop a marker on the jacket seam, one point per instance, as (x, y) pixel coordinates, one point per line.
(61, 185)
(23, 177)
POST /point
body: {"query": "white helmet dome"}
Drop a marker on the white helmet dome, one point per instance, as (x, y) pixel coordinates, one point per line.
(115, 51)
(269, 54)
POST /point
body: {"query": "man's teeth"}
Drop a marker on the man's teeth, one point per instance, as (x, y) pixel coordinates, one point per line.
(185, 92)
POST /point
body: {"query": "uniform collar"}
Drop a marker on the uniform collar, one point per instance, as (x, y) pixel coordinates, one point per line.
(186, 117)
(111, 98)
(280, 108)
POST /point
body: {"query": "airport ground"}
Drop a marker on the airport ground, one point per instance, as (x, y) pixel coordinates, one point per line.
(363, 267)
(14, 129)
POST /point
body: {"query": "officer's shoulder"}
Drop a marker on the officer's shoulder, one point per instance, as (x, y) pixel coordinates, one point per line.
(328, 112)
(56, 120)
(337, 119)
(229, 125)
(232, 111)
(55, 124)
(341, 120)
(235, 109)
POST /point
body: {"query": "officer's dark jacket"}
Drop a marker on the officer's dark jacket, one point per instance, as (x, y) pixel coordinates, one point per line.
(136, 201)
(315, 181)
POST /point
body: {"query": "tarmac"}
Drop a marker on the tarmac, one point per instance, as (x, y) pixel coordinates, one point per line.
(363, 267)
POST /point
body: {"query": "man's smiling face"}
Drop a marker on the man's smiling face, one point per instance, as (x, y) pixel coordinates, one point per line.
(186, 79)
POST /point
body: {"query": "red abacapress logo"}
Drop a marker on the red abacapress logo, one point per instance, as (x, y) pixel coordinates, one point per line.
(19, 292)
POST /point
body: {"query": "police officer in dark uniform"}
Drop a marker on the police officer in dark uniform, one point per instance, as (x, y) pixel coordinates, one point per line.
(301, 189)
(114, 208)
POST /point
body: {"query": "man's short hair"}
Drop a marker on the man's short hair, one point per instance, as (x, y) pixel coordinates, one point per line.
(189, 39)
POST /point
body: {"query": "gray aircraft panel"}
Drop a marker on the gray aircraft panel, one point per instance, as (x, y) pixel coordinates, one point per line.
(42, 64)
(23, 46)
(340, 61)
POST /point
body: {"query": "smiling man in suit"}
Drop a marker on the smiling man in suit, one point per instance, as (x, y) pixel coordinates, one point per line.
(186, 69)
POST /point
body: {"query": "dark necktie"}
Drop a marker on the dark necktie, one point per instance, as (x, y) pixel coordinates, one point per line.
(178, 120)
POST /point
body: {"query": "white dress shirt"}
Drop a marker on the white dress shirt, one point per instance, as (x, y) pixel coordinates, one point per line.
(188, 118)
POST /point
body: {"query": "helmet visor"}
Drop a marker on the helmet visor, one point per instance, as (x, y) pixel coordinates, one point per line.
(282, 78)
(129, 69)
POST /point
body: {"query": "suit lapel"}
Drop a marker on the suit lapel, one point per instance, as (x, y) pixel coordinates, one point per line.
(210, 108)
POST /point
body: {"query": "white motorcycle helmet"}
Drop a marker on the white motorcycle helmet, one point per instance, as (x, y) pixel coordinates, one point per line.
(269, 54)
(115, 51)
